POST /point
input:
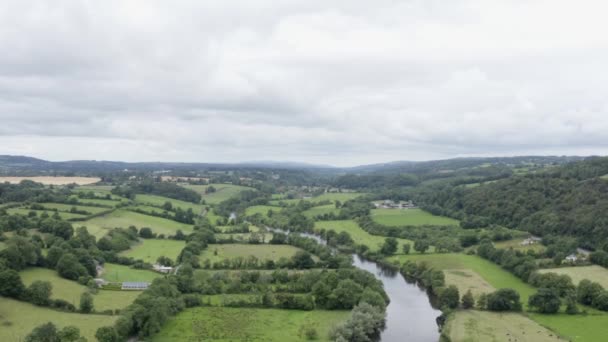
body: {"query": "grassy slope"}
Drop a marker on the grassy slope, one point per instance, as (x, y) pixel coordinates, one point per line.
(222, 193)
(160, 200)
(577, 327)
(242, 324)
(262, 252)
(17, 319)
(359, 235)
(99, 226)
(120, 273)
(482, 326)
(261, 209)
(149, 250)
(321, 210)
(62, 288)
(593, 273)
(409, 217)
(63, 215)
(68, 207)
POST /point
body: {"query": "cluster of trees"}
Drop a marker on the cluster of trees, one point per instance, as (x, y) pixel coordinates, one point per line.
(151, 187)
(520, 264)
(173, 213)
(48, 332)
(121, 239)
(500, 300)
(364, 324)
(301, 260)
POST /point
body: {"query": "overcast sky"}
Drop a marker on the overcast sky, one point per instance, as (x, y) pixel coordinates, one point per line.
(333, 82)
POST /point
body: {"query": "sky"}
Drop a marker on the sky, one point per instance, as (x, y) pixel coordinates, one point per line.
(331, 82)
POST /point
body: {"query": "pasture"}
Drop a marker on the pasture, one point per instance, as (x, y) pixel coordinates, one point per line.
(222, 191)
(577, 328)
(360, 236)
(17, 319)
(594, 273)
(516, 245)
(47, 180)
(62, 288)
(261, 209)
(67, 207)
(217, 252)
(321, 210)
(120, 273)
(466, 280)
(336, 196)
(159, 201)
(26, 212)
(410, 217)
(150, 249)
(246, 324)
(100, 225)
(482, 326)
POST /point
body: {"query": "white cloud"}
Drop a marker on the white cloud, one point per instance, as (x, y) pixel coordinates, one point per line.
(339, 82)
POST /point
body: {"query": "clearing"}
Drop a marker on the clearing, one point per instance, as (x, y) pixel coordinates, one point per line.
(410, 217)
(215, 252)
(360, 236)
(245, 324)
(594, 273)
(150, 249)
(482, 326)
(99, 226)
(18, 319)
(52, 180)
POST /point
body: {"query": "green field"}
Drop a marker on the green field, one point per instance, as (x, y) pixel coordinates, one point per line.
(410, 217)
(62, 288)
(321, 210)
(491, 273)
(576, 327)
(113, 300)
(17, 319)
(593, 273)
(336, 196)
(285, 201)
(482, 326)
(107, 203)
(149, 250)
(212, 216)
(466, 280)
(261, 209)
(120, 273)
(516, 245)
(262, 252)
(63, 215)
(158, 201)
(222, 193)
(99, 226)
(243, 324)
(360, 236)
(67, 207)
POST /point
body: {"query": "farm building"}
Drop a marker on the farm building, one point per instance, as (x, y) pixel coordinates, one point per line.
(572, 258)
(140, 286)
(162, 269)
(388, 204)
(531, 240)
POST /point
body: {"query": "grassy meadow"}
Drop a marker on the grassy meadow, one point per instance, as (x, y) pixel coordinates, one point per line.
(594, 273)
(120, 273)
(149, 250)
(99, 226)
(261, 209)
(516, 245)
(360, 236)
(158, 201)
(410, 217)
(262, 252)
(482, 326)
(593, 327)
(26, 212)
(62, 288)
(321, 210)
(17, 319)
(222, 191)
(246, 324)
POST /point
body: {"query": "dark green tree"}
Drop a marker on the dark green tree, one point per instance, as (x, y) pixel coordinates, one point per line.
(545, 301)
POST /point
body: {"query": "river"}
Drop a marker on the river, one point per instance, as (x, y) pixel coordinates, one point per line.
(410, 315)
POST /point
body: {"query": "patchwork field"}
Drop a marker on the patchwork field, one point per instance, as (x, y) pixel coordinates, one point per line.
(244, 324)
(593, 273)
(17, 319)
(229, 251)
(321, 210)
(99, 226)
(360, 236)
(261, 209)
(149, 250)
(222, 193)
(410, 217)
(491, 273)
(52, 180)
(482, 326)
(120, 273)
(158, 201)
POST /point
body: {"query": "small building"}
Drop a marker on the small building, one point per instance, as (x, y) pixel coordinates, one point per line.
(135, 285)
(100, 282)
(531, 241)
(572, 258)
(162, 269)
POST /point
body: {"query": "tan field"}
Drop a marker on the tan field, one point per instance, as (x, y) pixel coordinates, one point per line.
(52, 180)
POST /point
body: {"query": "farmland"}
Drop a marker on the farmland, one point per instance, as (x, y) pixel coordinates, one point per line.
(222, 191)
(410, 217)
(149, 250)
(47, 180)
(120, 273)
(481, 326)
(244, 324)
(516, 245)
(261, 209)
(68, 207)
(26, 212)
(359, 235)
(62, 288)
(229, 251)
(581, 328)
(321, 210)
(99, 226)
(17, 319)
(158, 201)
(594, 273)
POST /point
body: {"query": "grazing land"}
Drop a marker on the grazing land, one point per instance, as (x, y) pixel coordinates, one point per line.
(120, 273)
(491, 273)
(261, 209)
(52, 180)
(158, 201)
(222, 191)
(593, 327)
(467, 280)
(360, 236)
(62, 288)
(321, 210)
(593, 273)
(149, 250)
(245, 324)
(516, 245)
(67, 207)
(336, 196)
(99, 226)
(212, 216)
(17, 319)
(410, 217)
(105, 202)
(262, 252)
(482, 326)
(113, 300)
(26, 212)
